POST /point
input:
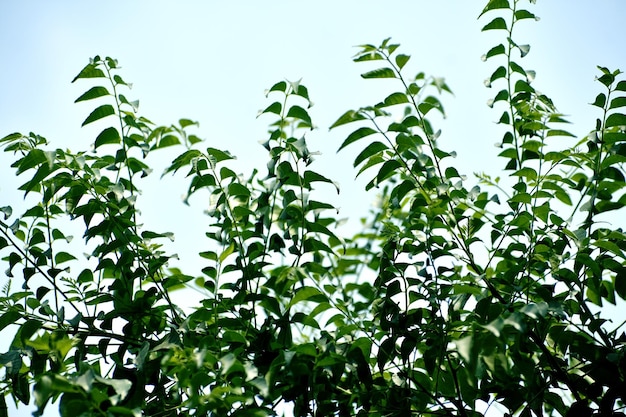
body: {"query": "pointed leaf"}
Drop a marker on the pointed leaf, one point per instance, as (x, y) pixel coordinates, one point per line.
(615, 119)
(90, 71)
(348, 117)
(358, 134)
(99, 113)
(380, 73)
(306, 293)
(497, 23)
(371, 149)
(298, 112)
(94, 92)
(618, 102)
(110, 135)
(401, 60)
(495, 4)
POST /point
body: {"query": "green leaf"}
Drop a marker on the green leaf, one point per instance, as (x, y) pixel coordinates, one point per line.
(299, 113)
(99, 113)
(496, 50)
(621, 86)
(401, 60)
(279, 86)
(348, 117)
(524, 14)
(238, 190)
(358, 134)
(90, 71)
(388, 169)
(600, 101)
(311, 176)
(187, 122)
(618, 102)
(380, 73)
(108, 136)
(497, 23)
(494, 5)
(219, 155)
(370, 150)
(306, 293)
(393, 99)
(62, 257)
(615, 119)
(275, 108)
(92, 93)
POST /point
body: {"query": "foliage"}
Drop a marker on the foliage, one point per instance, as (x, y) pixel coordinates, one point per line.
(452, 299)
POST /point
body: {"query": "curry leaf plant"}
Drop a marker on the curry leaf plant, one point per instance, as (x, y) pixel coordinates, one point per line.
(457, 297)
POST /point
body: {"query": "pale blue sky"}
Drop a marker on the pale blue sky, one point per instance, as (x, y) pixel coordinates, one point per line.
(211, 61)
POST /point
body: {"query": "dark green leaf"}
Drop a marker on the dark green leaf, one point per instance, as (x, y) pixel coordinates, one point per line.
(358, 134)
(370, 150)
(90, 71)
(380, 73)
(348, 117)
(275, 108)
(617, 102)
(496, 50)
(600, 101)
(92, 93)
(99, 113)
(108, 136)
(299, 113)
(497, 23)
(615, 119)
(495, 4)
(401, 60)
(524, 14)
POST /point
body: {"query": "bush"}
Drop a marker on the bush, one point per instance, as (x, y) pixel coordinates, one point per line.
(451, 299)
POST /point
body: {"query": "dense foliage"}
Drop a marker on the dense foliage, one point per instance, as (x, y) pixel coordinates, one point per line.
(453, 300)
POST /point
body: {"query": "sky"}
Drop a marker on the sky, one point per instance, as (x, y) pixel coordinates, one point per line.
(211, 61)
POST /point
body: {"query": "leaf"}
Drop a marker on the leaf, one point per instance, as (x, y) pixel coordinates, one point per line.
(311, 176)
(108, 136)
(32, 159)
(275, 108)
(237, 190)
(600, 101)
(90, 71)
(187, 122)
(502, 95)
(99, 113)
(371, 149)
(279, 86)
(524, 14)
(92, 93)
(62, 257)
(498, 73)
(358, 134)
(496, 50)
(219, 155)
(299, 113)
(618, 102)
(524, 50)
(494, 5)
(380, 73)
(401, 60)
(393, 99)
(348, 117)
(306, 293)
(497, 23)
(615, 119)
(388, 169)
